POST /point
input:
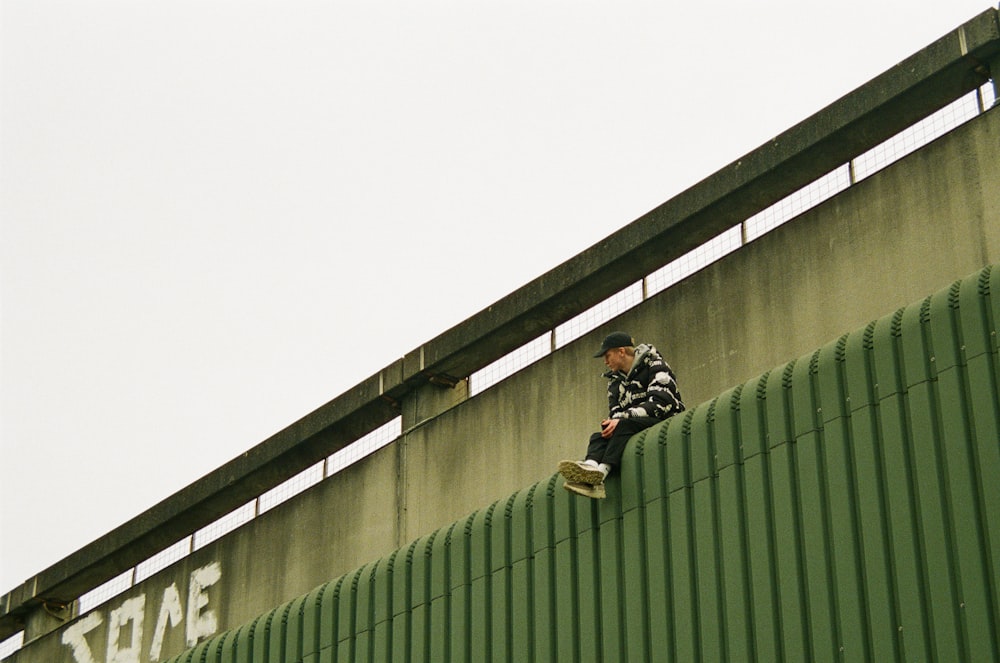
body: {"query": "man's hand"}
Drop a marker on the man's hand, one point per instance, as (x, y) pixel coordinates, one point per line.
(608, 427)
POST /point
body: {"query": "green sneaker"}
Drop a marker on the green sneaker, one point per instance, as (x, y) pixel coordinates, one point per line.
(594, 492)
(576, 471)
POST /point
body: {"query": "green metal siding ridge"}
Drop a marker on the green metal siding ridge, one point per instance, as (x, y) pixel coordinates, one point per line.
(460, 645)
(330, 615)
(227, 651)
(311, 625)
(381, 584)
(843, 506)
(732, 530)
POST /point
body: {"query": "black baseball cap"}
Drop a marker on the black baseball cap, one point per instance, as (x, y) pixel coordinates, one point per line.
(615, 340)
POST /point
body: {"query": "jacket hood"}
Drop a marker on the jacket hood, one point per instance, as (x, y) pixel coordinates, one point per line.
(642, 351)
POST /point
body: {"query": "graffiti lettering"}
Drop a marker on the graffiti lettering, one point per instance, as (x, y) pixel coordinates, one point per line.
(75, 638)
(130, 612)
(201, 623)
(170, 609)
(125, 623)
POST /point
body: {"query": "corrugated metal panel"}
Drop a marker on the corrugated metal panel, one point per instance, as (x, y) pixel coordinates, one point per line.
(845, 506)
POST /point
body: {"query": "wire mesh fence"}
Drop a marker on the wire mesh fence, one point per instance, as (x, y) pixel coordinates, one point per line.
(597, 315)
(509, 364)
(11, 644)
(795, 204)
(291, 487)
(815, 193)
(916, 136)
(364, 446)
(692, 261)
(107, 591)
(164, 558)
(225, 525)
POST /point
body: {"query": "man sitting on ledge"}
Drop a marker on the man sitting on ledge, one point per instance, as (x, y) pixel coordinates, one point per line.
(642, 391)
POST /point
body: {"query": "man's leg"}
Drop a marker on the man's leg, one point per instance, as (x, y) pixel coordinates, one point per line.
(603, 455)
(596, 448)
(615, 445)
(586, 472)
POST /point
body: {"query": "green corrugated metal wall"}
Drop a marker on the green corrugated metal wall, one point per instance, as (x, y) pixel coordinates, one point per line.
(845, 506)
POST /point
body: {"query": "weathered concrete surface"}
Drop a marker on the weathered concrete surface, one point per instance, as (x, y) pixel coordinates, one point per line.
(954, 64)
(893, 238)
(906, 231)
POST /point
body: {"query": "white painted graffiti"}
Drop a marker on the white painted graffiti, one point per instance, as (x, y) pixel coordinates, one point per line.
(125, 623)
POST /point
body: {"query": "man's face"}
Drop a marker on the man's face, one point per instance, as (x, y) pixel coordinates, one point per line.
(617, 360)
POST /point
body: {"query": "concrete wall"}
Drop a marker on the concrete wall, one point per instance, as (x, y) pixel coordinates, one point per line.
(833, 508)
(945, 70)
(907, 231)
(891, 239)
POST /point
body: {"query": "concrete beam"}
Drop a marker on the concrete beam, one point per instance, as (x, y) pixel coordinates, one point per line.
(950, 67)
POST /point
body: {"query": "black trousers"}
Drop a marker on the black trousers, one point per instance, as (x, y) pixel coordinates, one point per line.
(609, 451)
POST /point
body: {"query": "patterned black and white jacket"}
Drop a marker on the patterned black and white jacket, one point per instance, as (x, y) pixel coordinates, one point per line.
(649, 389)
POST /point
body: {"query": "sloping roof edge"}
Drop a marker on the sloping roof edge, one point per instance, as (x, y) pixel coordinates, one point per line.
(919, 85)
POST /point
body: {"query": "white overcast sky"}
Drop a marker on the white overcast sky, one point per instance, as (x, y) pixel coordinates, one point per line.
(219, 215)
